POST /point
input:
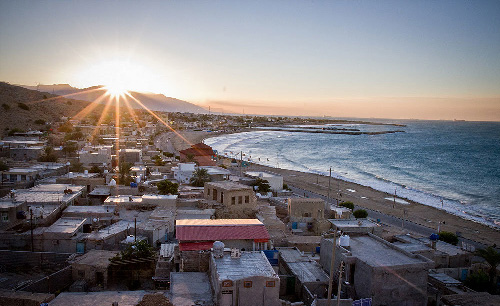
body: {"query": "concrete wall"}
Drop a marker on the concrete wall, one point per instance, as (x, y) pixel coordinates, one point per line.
(306, 209)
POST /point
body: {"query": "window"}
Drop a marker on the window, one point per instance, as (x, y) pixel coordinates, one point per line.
(233, 200)
(23, 177)
(307, 215)
(81, 273)
(247, 284)
(247, 199)
(270, 284)
(208, 191)
(5, 217)
(227, 283)
(240, 199)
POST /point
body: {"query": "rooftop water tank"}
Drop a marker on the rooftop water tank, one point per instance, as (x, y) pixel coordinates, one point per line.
(112, 182)
(344, 241)
(218, 249)
(85, 171)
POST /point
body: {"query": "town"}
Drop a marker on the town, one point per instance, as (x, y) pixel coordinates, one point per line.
(131, 211)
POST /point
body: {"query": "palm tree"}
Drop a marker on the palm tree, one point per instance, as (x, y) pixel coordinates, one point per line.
(492, 257)
(200, 176)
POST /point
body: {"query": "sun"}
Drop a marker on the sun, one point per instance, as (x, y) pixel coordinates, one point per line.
(118, 76)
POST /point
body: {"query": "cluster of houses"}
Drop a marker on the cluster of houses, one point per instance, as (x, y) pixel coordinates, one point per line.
(220, 244)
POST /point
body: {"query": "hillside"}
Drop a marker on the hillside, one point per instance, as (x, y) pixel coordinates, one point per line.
(156, 102)
(21, 107)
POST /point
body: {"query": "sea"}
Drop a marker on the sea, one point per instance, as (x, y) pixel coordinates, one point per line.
(450, 165)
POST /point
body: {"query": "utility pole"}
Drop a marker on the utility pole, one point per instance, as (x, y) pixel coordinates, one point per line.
(329, 184)
(332, 263)
(394, 203)
(338, 189)
(241, 162)
(135, 229)
(340, 282)
(31, 226)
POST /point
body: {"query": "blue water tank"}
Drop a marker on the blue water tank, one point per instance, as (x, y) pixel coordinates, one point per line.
(133, 184)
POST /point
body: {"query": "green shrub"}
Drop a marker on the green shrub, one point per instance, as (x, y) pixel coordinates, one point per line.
(360, 213)
(23, 106)
(167, 187)
(40, 121)
(6, 107)
(347, 204)
(448, 237)
(478, 281)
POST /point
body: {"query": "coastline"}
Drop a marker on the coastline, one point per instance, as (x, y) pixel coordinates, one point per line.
(367, 197)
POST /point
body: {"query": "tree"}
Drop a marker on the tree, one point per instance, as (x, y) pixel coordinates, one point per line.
(200, 176)
(190, 158)
(137, 249)
(360, 213)
(477, 281)
(76, 166)
(167, 187)
(69, 148)
(448, 237)
(492, 258)
(66, 127)
(95, 169)
(347, 204)
(48, 155)
(124, 170)
(3, 166)
(262, 185)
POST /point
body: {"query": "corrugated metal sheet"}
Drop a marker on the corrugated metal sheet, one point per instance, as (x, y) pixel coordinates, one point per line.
(217, 222)
(212, 233)
(195, 246)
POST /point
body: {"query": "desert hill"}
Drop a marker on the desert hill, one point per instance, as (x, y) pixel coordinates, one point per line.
(156, 102)
(25, 109)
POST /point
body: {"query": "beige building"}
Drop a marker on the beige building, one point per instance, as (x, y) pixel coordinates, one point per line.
(236, 198)
(307, 214)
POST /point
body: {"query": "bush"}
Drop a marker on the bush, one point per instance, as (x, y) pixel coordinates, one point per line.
(262, 185)
(347, 204)
(167, 187)
(360, 213)
(448, 237)
(3, 166)
(40, 121)
(15, 130)
(5, 106)
(285, 187)
(478, 281)
(23, 106)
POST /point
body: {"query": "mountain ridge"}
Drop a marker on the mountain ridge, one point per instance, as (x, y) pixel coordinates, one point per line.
(153, 101)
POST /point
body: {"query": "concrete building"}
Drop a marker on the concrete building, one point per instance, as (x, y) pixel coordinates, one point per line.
(443, 254)
(200, 153)
(236, 198)
(183, 172)
(89, 180)
(309, 278)
(131, 156)
(96, 156)
(190, 288)
(12, 213)
(358, 226)
(92, 267)
(64, 235)
(217, 173)
(18, 177)
(307, 214)
(339, 212)
(243, 280)
(125, 298)
(375, 268)
(275, 181)
(26, 153)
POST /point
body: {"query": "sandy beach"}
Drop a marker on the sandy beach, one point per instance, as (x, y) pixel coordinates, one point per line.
(367, 197)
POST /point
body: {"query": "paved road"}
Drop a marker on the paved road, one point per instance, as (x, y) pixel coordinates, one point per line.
(386, 219)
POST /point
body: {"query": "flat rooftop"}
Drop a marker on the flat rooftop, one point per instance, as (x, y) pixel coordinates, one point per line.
(65, 225)
(90, 209)
(111, 230)
(159, 197)
(261, 174)
(96, 258)
(123, 199)
(378, 253)
(305, 268)
(49, 193)
(124, 298)
(248, 265)
(345, 223)
(228, 185)
(9, 203)
(190, 288)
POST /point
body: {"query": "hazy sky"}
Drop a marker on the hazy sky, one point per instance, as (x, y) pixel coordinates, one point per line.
(392, 59)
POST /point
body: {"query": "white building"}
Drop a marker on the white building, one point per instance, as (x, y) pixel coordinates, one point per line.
(247, 279)
(275, 181)
(183, 172)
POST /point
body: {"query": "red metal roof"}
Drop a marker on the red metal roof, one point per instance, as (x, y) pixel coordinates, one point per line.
(226, 232)
(195, 246)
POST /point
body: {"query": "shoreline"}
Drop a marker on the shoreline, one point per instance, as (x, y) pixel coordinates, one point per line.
(367, 197)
